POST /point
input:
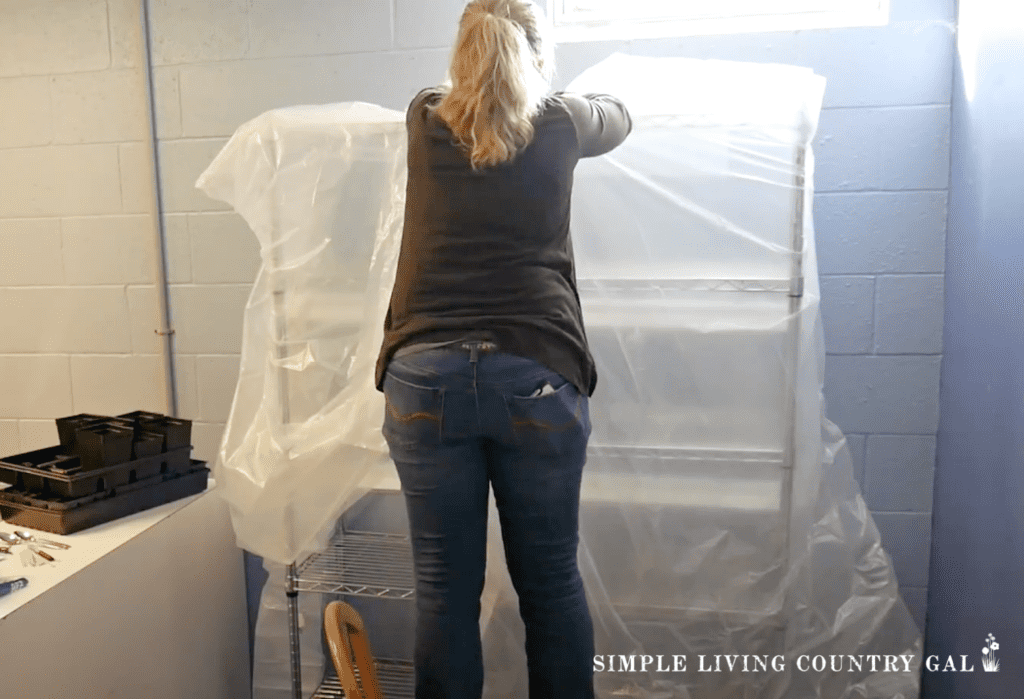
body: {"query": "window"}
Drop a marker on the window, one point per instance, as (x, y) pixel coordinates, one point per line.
(590, 20)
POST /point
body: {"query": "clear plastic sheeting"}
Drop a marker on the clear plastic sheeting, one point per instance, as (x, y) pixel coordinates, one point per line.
(271, 672)
(323, 189)
(719, 515)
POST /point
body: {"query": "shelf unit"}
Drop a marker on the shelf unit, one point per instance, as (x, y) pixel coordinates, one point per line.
(378, 565)
(357, 564)
(393, 676)
(375, 565)
(368, 564)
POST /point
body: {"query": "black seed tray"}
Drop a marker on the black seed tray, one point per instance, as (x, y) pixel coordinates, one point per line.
(69, 516)
(52, 473)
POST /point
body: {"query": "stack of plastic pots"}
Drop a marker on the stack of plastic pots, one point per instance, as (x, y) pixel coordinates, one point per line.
(104, 468)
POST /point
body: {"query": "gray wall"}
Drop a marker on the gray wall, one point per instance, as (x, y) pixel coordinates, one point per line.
(978, 551)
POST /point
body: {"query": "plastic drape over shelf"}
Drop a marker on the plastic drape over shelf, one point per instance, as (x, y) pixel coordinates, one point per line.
(719, 513)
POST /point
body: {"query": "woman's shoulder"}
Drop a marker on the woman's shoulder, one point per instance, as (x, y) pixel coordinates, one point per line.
(570, 102)
(428, 95)
(554, 99)
(554, 107)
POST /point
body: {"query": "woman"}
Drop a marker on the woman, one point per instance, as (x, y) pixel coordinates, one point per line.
(485, 365)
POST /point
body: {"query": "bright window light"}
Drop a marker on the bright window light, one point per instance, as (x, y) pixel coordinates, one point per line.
(590, 20)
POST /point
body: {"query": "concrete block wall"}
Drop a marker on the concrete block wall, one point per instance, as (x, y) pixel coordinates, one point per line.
(75, 269)
(882, 154)
(215, 66)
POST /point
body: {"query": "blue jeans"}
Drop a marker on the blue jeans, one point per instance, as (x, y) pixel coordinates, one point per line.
(455, 421)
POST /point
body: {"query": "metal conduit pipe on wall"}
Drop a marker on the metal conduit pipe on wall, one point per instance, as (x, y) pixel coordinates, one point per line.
(164, 330)
(255, 574)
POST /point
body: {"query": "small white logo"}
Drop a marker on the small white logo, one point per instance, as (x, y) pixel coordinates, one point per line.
(989, 661)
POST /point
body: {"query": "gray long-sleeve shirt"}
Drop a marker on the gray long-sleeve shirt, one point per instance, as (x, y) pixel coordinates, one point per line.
(487, 254)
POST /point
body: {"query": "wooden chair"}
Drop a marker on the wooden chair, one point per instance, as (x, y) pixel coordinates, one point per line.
(347, 639)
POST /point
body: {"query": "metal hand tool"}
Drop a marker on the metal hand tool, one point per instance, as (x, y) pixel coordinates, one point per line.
(49, 543)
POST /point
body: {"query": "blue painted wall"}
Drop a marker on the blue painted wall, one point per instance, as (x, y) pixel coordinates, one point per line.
(978, 552)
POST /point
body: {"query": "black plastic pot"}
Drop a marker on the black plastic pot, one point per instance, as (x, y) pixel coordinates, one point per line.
(134, 419)
(141, 415)
(177, 432)
(68, 426)
(147, 444)
(102, 444)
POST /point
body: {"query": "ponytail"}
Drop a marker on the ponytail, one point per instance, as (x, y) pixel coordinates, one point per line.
(499, 78)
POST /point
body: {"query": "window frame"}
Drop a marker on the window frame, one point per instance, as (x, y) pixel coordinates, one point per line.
(567, 28)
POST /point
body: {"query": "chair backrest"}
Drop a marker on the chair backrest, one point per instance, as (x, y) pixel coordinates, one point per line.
(346, 637)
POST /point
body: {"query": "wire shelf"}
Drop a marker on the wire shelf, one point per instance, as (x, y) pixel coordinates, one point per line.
(396, 680)
(364, 564)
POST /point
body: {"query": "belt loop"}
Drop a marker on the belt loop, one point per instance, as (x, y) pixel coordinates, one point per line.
(475, 346)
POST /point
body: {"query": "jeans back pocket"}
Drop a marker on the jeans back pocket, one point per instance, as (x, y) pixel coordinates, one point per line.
(413, 414)
(556, 422)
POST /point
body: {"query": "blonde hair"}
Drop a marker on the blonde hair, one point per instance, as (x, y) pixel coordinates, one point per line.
(500, 73)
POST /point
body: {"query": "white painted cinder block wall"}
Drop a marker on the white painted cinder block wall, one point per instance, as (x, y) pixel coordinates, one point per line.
(75, 281)
(77, 305)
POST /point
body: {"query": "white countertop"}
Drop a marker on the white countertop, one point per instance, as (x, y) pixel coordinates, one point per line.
(87, 546)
